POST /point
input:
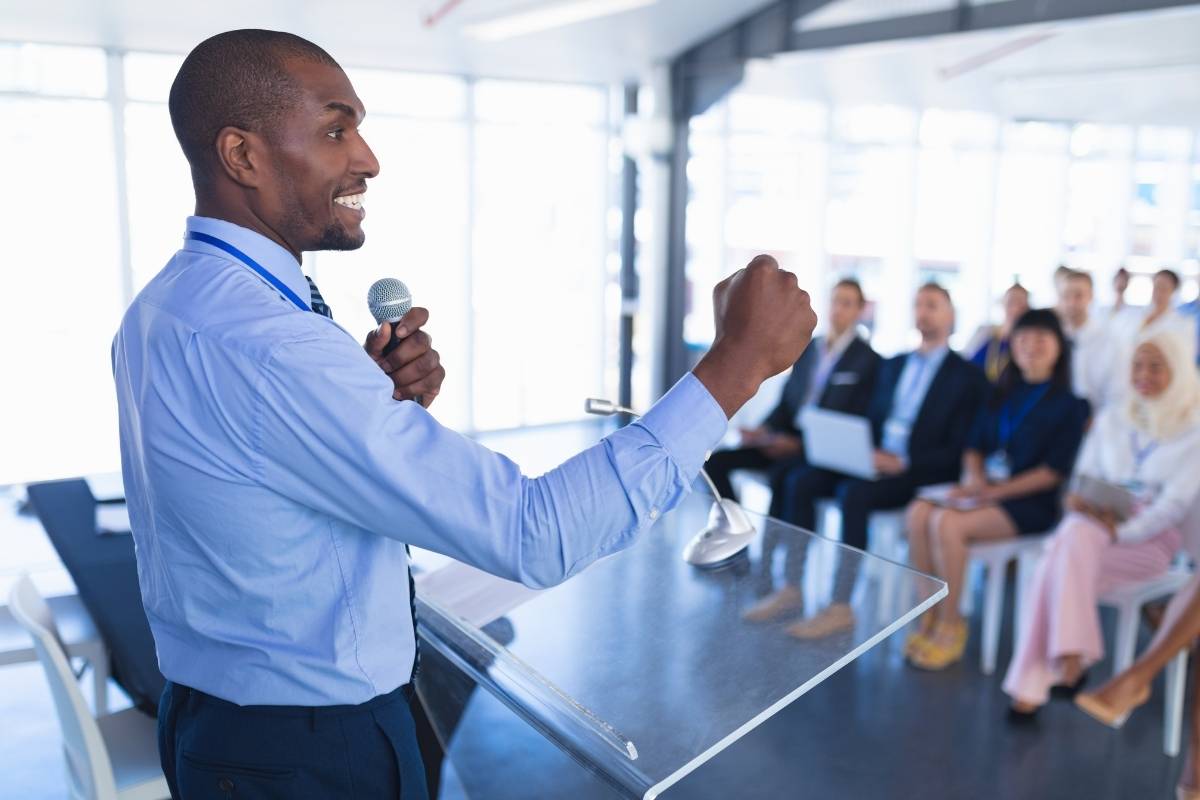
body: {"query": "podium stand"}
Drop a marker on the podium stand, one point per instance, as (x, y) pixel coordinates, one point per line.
(642, 667)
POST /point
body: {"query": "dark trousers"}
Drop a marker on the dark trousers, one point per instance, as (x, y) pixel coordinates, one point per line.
(857, 498)
(724, 462)
(214, 749)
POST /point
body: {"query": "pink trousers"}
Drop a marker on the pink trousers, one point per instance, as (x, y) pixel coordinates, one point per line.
(1061, 611)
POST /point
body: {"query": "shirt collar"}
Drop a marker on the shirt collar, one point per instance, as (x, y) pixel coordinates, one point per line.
(934, 356)
(270, 256)
(835, 347)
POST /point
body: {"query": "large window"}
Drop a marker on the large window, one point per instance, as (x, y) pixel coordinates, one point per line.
(62, 274)
(492, 204)
(897, 196)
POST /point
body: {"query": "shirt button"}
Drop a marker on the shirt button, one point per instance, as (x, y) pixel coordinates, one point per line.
(225, 785)
(654, 513)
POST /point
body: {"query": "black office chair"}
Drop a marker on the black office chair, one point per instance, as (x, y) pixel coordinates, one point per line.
(105, 573)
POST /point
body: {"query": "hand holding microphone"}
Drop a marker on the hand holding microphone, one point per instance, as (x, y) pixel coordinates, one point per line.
(400, 347)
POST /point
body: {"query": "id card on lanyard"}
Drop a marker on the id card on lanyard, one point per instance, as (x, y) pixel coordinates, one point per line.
(1138, 485)
(998, 465)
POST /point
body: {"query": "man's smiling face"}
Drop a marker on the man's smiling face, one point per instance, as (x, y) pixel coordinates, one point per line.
(320, 162)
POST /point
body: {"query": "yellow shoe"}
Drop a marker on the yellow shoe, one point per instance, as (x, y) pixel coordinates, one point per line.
(914, 644)
(944, 648)
(918, 639)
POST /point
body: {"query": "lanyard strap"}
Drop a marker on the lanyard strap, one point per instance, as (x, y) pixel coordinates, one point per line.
(1009, 422)
(262, 272)
(1140, 454)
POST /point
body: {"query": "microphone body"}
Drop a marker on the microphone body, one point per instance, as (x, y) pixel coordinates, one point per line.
(389, 300)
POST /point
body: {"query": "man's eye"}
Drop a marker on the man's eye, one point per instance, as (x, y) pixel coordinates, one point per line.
(336, 133)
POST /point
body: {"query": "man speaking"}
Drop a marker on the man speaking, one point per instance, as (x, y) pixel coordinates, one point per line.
(276, 470)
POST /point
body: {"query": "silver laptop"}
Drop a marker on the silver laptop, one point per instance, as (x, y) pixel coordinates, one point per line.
(839, 442)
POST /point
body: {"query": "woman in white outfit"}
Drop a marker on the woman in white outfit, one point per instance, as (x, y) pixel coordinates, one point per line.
(1149, 443)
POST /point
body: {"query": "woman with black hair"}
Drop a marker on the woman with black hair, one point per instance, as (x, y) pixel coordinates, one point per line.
(1021, 448)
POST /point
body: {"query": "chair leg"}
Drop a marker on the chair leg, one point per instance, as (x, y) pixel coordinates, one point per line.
(100, 682)
(885, 534)
(1126, 644)
(1173, 713)
(966, 601)
(993, 608)
(1026, 566)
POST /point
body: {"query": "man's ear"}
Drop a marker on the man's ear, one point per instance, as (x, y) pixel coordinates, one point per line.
(240, 155)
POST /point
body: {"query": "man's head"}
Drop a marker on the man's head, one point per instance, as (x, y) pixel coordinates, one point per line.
(1120, 281)
(934, 313)
(1166, 284)
(1075, 295)
(269, 122)
(1016, 303)
(845, 306)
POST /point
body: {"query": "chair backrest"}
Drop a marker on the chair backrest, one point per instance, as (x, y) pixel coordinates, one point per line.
(89, 769)
(104, 569)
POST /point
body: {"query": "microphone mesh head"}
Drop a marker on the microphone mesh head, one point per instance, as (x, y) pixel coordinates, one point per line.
(388, 299)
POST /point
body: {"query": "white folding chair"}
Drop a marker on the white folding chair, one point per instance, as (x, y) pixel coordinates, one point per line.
(1128, 601)
(994, 558)
(111, 757)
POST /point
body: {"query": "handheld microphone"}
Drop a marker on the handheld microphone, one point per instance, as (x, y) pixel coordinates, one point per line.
(389, 300)
(729, 531)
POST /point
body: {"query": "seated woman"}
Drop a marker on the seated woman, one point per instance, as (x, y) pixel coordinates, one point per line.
(1020, 450)
(989, 347)
(1114, 701)
(1149, 443)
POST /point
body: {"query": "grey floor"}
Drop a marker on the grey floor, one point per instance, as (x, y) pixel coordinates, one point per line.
(877, 729)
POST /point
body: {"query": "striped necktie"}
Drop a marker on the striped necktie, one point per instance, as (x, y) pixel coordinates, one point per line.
(318, 302)
(319, 306)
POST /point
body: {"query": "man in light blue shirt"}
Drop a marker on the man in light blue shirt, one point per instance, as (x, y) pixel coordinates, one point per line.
(275, 473)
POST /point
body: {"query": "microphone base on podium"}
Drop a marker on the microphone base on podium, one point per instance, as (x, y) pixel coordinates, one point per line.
(727, 536)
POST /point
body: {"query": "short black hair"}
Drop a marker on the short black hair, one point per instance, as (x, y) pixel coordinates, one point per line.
(853, 285)
(239, 79)
(1171, 274)
(1036, 319)
(1080, 275)
(934, 286)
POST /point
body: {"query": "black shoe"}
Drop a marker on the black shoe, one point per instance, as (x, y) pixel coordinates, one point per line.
(1069, 692)
(1016, 717)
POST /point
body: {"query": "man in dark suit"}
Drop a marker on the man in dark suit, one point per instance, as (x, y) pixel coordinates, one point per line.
(920, 413)
(836, 372)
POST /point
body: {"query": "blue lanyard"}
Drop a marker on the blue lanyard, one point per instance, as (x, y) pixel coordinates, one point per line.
(221, 244)
(1140, 454)
(1009, 422)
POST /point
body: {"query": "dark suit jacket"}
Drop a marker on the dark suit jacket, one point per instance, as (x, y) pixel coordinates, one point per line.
(848, 389)
(939, 434)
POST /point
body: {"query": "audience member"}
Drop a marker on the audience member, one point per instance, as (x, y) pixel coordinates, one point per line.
(1112, 703)
(836, 372)
(1021, 448)
(920, 413)
(1091, 359)
(1148, 443)
(989, 346)
(1120, 285)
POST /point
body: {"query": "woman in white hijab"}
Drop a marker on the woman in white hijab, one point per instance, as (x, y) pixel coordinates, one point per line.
(1150, 444)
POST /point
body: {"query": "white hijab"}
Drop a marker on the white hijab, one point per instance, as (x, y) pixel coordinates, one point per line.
(1178, 407)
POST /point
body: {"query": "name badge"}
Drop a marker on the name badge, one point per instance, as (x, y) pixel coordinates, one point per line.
(843, 378)
(997, 467)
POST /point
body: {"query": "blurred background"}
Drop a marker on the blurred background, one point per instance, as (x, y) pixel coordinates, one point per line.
(563, 181)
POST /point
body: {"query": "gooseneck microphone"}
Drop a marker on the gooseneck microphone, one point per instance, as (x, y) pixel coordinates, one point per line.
(389, 300)
(729, 531)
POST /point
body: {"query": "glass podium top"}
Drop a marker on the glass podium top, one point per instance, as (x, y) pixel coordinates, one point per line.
(643, 667)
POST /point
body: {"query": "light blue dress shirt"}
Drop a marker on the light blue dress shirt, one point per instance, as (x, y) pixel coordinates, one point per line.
(915, 380)
(272, 482)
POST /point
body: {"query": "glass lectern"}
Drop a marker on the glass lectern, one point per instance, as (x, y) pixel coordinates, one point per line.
(642, 668)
